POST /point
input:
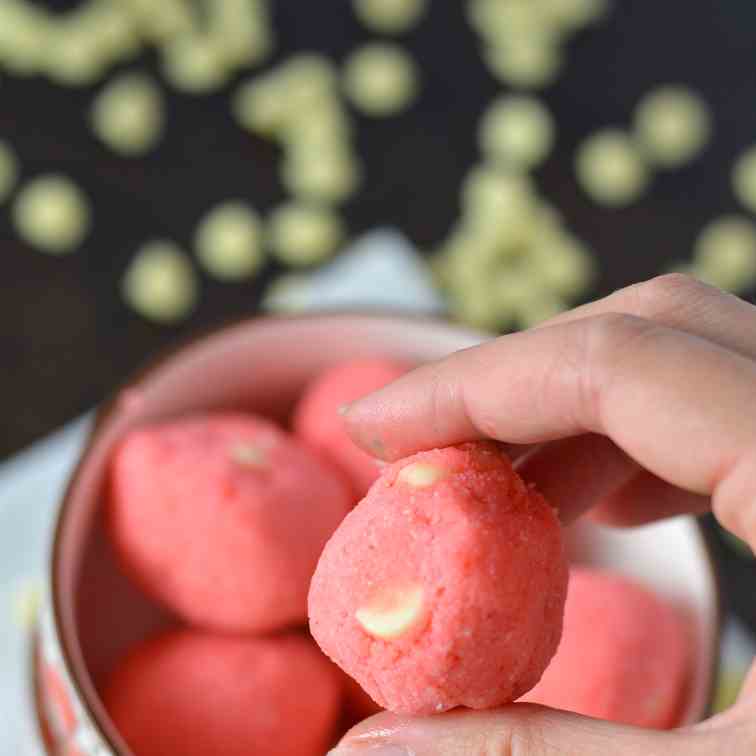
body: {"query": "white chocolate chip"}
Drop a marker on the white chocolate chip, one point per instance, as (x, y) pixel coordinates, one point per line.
(248, 455)
(611, 168)
(127, 115)
(530, 61)
(421, 474)
(381, 79)
(195, 63)
(572, 15)
(725, 253)
(73, 56)
(517, 131)
(393, 612)
(673, 125)
(304, 234)
(327, 176)
(228, 241)
(52, 214)
(389, 16)
(160, 283)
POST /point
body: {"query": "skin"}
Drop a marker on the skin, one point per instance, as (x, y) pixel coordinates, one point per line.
(649, 396)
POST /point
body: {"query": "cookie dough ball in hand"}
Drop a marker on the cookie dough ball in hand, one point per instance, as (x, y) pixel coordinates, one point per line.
(445, 586)
(624, 654)
(317, 420)
(194, 694)
(222, 518)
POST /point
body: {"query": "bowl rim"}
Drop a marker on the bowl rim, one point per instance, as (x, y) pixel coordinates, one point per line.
(163, 357)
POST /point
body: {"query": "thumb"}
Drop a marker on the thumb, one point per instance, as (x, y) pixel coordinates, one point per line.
(518, 730)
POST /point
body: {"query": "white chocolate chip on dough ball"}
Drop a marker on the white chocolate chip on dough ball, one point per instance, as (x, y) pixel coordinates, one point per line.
(421, 475)
(393, 612)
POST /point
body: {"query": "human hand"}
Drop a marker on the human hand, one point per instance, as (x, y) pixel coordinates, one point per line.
(637, 407)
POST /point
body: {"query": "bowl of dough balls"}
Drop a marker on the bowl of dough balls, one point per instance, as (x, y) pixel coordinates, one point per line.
(231, 575)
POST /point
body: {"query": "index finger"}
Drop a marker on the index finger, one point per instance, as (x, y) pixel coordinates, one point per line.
(682, 407)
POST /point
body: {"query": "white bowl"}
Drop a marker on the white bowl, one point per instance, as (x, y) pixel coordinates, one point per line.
(262, 365)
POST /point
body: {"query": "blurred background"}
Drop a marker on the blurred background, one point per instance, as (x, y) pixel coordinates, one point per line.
(167, 166)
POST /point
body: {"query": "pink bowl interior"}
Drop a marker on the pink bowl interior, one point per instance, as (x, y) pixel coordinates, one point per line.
(262, 365)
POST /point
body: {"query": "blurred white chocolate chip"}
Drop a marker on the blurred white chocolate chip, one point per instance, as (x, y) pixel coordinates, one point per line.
(498, 199)
(517, 131)
(574, 14)
(127, 115)
(499, 21)
(393, 612)
(327, 126)
(672, 125)
(195, 63)
(389, 16)
(52, 214)
(421, 474)
(161, 21)
(611, 169)
(160, 283)
(563, 264)
(380, 79)
(533, 61)
(228, 241)
(321, 175)
(74, 56)
(304, 234)
(288, 293)
(510, 259)
(286, 97)
(248, 455)
(114, 27)
(524, 40)
(242, 29)
(25, 33)
(725, 254)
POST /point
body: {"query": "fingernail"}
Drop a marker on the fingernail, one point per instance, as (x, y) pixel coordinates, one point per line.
(371, 749)
(342, 410)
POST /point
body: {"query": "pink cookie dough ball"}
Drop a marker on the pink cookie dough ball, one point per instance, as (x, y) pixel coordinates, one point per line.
(445, 586)
(190, 693)
(624, 654)
(222, 518)
(317, 420)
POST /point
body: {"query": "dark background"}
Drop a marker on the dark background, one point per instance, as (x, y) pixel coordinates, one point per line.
(67, 339)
